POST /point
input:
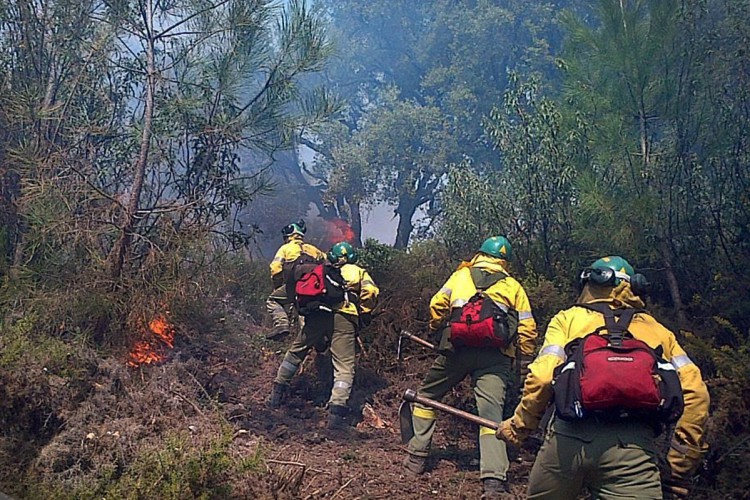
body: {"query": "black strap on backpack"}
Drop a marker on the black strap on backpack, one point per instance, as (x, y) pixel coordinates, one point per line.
(486, 279)
(616, 321)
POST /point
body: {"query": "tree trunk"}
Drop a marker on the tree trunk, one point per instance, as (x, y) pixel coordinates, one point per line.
(674, 288)
(287, 165)
(128, 220)
(405, 211)
(10, 191)
(356, 222)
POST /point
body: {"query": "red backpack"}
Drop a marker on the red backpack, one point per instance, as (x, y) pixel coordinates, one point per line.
(319, 288)
(481, 322)
(616, 376)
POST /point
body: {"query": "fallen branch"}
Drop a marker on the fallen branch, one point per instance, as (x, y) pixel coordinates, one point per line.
(308, 497)
(361, 347)
(284, 462)
(297, 464)
(342, 488)
(188, 401)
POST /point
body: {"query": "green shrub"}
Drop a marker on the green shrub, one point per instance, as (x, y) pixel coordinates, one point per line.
(181, 466)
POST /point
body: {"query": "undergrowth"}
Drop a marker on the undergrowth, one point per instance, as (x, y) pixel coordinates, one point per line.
(179, 466)
(77, 423)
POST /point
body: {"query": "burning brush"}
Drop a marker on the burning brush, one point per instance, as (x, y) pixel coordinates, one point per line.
(339, 230)
(154, 349)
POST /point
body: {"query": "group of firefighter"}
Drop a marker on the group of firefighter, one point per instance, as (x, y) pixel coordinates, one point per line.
(608, 457)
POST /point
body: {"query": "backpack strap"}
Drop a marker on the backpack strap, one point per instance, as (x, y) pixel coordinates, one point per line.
(617, 328)
(305, 249)
(488, 280)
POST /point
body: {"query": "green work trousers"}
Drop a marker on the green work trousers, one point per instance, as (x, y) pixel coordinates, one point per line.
(341, 330)
(613, 460)
(280, 308)
(490, 372)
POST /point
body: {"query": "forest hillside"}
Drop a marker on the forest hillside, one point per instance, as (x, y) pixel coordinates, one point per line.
(151, 152)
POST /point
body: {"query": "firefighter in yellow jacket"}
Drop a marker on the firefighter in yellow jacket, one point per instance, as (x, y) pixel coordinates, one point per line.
(340, 326)
(610, 458)
(278, 304)
(489, 367)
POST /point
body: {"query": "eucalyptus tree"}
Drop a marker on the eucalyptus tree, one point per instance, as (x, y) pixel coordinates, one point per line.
(454, 56)
(532, 198)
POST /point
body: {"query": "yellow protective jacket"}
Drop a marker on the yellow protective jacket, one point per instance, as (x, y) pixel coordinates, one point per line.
(577, 322)
(507, 293)
(289, 252)
(358, 281)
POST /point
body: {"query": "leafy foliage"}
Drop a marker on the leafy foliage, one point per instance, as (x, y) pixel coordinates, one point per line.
(446, 56)
(125, 160)
(532, 198)
(398, 156)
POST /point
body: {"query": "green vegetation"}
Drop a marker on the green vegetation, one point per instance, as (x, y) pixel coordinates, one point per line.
(180, 466)
(145, 147)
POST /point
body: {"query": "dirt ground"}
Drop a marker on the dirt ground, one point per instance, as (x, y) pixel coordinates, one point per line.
(84, 424)
(363, 461)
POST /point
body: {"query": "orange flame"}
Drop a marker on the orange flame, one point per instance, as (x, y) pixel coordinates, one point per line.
(146, 352)
(339, 230)
(163, 330)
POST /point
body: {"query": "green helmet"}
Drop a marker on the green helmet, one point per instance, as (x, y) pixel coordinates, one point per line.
(609, 271)
(342, 252)
(497, 246)
(294, 228)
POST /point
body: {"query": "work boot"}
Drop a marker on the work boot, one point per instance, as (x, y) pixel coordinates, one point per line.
(337, 417)
(278, 394)
(278, 333)
(415, 465)
(493, 488)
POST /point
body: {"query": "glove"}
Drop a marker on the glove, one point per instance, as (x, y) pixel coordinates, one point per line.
(508, 432)
(683, 460)
(674, 490)
(322, 344)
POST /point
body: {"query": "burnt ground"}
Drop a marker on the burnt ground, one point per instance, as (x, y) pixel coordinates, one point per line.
(88, 426)
(94, 427)
(363, 461)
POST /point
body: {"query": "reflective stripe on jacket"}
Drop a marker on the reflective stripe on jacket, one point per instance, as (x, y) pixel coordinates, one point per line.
(507, 293)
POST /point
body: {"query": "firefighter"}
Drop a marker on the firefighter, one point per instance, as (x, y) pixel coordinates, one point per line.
(489, 367)
(340, 324)
(612, 458)
(278, 305)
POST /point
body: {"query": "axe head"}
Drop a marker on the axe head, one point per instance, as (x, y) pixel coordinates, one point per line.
(404, 418)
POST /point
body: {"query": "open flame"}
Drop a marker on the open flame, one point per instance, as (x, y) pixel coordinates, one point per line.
(153, 350)
(339, 230)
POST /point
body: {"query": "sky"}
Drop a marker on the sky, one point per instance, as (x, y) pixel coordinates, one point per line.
(380, 223)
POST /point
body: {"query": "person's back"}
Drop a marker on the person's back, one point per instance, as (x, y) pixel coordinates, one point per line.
(503, 290)
(333, 325)
(479, 344)
(279, 302)
(611, 454)
(362, 290)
